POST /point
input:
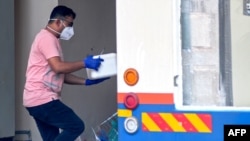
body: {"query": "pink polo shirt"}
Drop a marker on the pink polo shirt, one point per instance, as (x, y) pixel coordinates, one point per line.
(42, 83)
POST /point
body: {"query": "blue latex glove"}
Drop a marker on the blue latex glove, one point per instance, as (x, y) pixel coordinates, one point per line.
(96, 81)
(92, 63)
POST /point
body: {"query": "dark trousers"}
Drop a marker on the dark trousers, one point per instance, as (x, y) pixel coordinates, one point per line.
(55, 115)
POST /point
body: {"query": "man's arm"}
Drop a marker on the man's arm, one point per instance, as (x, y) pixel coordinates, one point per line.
(59, 66)
(75, 80)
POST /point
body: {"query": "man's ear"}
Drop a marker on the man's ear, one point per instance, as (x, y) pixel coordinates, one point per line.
(58, 22)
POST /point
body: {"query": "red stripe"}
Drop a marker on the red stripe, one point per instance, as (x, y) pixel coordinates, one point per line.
(207, 119)
(150, 98)
(144, 128)
(185, 122)
(160, 122)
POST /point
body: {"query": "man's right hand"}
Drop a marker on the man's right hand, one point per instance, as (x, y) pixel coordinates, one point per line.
(92, 63)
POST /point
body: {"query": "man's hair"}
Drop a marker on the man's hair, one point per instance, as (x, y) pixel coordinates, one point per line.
(61, 11)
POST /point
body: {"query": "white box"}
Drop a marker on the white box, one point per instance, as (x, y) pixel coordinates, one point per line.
(106, 69)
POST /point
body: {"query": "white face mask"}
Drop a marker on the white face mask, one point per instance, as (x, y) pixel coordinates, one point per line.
(67, 33)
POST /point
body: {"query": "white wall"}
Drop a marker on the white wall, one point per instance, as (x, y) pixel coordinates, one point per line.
(240, 53)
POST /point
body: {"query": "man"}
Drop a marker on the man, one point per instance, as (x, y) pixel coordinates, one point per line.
(45, 75)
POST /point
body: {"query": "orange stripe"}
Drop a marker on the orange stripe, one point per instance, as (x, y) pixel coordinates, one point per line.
(185, 122)
(207, 120)
(144, 128)
(160, 122)
(150, 98)
(177, 122)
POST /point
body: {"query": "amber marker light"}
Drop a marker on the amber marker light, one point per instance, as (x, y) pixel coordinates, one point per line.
(131, 77)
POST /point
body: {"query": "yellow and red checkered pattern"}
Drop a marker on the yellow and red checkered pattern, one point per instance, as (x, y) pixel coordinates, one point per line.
(177, 122)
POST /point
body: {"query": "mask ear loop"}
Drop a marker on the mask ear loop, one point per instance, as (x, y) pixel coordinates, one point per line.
(57, 19)
(63, 23)
(53, 19)
(53, 30)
